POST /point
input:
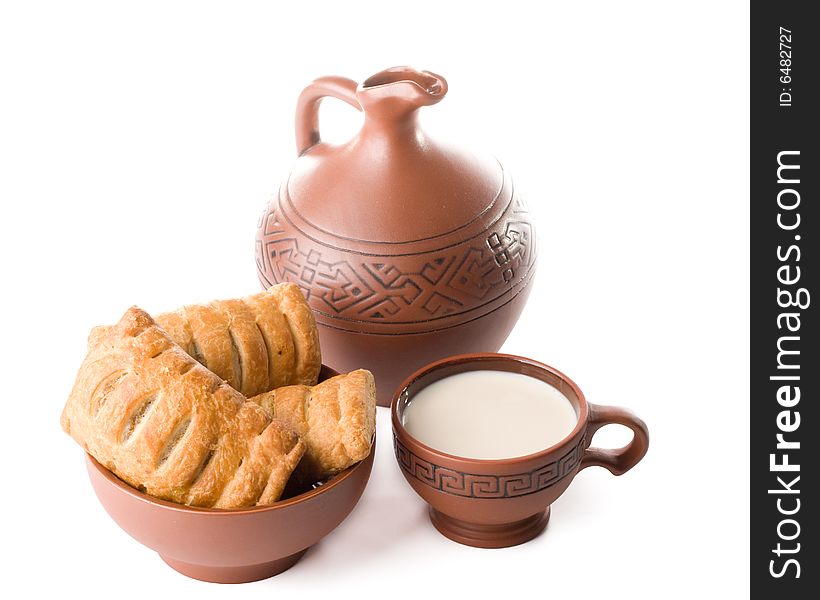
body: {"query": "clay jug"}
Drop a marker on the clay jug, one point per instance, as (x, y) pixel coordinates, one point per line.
(406, 248)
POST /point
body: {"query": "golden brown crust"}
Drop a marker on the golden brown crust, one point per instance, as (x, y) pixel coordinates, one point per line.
(211, 340)
(336, 420)
(277, 338)
(256, 343)
(176, 326)
(248, 349)
(302, 326)
(163, 423)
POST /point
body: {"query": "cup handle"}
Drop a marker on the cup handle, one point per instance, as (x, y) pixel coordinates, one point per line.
(307, 108)
(619, 460)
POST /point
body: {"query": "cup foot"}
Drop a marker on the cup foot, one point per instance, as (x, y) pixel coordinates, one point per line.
(490, 536)
(243, 574)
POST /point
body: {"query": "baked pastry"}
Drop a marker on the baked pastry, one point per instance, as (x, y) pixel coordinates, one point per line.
(256, 343)
(336, 420)
(166, 425)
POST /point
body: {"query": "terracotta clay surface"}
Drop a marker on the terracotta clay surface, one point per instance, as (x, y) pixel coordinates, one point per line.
(232, 546)
(407, 249)
(499, 503)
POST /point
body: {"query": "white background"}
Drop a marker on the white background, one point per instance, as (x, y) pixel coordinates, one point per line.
(139, 144)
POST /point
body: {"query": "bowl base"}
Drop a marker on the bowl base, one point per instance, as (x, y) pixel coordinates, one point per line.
(490, 536)
(243, 574)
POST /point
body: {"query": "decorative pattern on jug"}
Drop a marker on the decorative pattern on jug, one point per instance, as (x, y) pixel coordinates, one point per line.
(386, 288)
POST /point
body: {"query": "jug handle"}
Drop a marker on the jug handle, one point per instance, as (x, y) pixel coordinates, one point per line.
(307, 108)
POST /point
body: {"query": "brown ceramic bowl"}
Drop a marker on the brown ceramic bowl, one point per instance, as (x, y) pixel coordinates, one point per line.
(232, 546)
(499, 503)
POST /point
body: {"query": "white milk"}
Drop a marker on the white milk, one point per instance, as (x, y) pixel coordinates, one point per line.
(489, 415)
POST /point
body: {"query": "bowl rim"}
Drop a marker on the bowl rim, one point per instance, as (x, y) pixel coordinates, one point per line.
(333, 482)
(479, 357)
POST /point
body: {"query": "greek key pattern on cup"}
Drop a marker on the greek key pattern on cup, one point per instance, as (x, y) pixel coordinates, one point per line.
(472, 485)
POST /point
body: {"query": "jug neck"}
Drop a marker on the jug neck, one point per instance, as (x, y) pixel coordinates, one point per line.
(391, 99)
(393, 130)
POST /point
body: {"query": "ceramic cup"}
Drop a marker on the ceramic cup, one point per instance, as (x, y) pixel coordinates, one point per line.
(499, 503)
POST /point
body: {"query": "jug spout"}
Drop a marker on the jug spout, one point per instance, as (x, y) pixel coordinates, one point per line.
(397, 93)
(389, 100)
